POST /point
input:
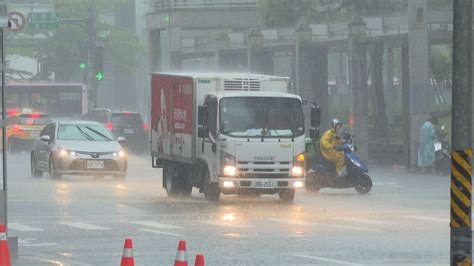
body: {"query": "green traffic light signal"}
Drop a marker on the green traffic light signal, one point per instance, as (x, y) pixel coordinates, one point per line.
(82, 66)
(99, 76)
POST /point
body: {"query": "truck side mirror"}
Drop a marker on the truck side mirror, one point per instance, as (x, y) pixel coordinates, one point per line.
(202, 115)
(314, 133)
(203, 132)
(315, 116)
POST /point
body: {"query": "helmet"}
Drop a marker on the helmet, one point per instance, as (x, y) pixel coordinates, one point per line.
(336, 123)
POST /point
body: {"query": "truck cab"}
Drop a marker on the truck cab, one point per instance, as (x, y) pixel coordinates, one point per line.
(256, 141)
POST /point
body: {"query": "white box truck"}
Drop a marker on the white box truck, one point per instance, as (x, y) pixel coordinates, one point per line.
(227, 133)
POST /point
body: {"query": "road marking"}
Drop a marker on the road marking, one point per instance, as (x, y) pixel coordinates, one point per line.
(161, 232)
(225, 224)
(303, 223)
(326, 259)
(23, 228)
(388, 184)
(37, 245)
(84, 226)
(428, 218)
(364, 221)
(156, 225)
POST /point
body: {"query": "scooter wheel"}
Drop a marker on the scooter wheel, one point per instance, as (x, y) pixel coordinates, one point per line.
(364, 184)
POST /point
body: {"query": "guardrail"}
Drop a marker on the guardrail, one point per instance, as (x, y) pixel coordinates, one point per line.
(161, 5)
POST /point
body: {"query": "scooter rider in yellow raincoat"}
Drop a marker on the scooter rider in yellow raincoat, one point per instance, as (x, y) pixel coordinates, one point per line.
(330, 146)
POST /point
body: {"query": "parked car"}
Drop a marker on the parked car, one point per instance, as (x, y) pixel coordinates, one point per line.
(123, 124)
(78, 148)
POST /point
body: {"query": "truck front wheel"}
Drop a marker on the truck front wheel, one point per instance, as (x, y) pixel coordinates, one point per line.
(211, 190)
(287, 195)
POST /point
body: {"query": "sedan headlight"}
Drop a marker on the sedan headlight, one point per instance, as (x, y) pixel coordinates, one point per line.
(63, 153)
(121, 154)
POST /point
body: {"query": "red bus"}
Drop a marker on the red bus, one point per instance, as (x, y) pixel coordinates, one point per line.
(58, 100)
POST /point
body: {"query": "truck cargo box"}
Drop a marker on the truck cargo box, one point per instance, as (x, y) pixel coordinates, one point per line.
(172, 117)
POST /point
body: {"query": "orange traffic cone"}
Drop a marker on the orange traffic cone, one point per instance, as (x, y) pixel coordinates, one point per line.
(4, 252)
(127, 255)
(181, 257)
(199, 260)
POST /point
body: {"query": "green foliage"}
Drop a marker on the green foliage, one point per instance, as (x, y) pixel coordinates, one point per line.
(441, 63)
(281, 13)
(65, 48)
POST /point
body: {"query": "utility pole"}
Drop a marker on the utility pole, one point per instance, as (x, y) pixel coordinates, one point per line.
(461, 168)
(92, 51)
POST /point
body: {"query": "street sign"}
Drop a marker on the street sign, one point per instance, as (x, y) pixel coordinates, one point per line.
(43, 21)
(17, 20)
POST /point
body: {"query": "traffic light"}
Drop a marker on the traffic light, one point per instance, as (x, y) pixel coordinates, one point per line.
(82, 66)
(99, 63)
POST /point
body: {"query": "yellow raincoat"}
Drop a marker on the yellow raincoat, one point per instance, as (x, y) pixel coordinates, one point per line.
(327, 143)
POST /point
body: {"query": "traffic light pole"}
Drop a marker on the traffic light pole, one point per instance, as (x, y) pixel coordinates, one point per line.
(89, 25)
(92, 52)
(461, 155)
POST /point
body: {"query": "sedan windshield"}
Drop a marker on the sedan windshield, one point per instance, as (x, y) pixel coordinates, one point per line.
(84, 132)
(261, 116)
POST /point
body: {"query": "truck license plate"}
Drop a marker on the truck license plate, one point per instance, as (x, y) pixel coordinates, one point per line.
(264, 184)
(95, 164)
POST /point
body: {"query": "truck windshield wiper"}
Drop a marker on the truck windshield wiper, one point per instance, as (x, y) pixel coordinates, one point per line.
(84, 133)
(98, 133)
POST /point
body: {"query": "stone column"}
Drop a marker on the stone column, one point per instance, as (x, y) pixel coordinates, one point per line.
(357, 55)
(174, 46)
(420, 95)
(303, 35)
(154, 50)
(380, 116)
(259, 60)
(406, 104)
(222, 42)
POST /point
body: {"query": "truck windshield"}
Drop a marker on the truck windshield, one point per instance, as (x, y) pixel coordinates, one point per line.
(272, 117)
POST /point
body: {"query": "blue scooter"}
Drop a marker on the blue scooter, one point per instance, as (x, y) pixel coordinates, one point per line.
(321, 173)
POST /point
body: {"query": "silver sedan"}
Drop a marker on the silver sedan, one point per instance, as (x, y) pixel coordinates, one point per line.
(78, 148)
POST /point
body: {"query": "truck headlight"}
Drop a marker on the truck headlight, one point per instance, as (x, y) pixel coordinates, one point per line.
(297, 171)
(298, 165)
(230, 170)
(298, 184)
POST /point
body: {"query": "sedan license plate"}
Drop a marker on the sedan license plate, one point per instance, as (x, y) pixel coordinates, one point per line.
(264, 184)
(95, 164)
(128, 131)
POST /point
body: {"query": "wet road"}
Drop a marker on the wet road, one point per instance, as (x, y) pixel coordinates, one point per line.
(82, 221)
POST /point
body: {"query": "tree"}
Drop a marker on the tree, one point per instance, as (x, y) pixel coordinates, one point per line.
(281, 13)
(441, 63)
(61, 52)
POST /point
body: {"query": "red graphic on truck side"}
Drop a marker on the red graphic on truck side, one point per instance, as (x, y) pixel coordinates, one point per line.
(171, 110)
